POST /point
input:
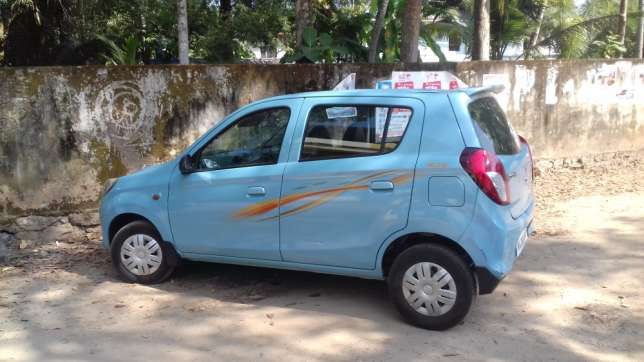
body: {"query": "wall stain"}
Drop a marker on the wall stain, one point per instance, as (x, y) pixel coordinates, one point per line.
(65, 130)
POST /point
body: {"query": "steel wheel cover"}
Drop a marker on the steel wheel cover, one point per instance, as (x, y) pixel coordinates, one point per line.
(141, 254)
(429, 289)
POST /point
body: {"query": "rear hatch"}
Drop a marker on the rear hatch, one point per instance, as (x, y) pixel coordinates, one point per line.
(496, 135)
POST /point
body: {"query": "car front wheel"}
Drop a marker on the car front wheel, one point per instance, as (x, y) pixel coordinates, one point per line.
(140, 255)
(431, 286)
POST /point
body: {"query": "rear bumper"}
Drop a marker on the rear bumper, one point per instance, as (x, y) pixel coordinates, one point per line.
(492, 238)
(485, 280)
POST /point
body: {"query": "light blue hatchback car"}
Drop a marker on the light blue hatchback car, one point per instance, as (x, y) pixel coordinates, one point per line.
(431, 191)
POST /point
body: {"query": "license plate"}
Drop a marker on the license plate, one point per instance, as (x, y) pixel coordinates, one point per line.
(523, 238)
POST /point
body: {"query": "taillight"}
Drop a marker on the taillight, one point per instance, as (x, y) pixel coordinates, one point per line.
(488, 173)
(523, 140)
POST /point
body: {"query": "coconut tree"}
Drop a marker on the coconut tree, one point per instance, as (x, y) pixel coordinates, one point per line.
(587, 32)
(623, 17)
(182, 25)
(639, 43)
(481, 38)
(410, 31)
(377, 29)
(303, 19)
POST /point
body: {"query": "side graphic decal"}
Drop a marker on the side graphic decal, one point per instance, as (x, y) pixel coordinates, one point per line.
(318, 197)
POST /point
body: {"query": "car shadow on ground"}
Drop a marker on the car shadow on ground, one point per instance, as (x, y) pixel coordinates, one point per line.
(545, 309)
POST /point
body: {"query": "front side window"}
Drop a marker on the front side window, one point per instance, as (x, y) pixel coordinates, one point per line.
(351, 131)
(255, 139)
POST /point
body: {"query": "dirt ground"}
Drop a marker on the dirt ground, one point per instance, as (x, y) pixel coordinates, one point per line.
(575, 294)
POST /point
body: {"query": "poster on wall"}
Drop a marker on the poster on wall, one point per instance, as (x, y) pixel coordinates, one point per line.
(398, 122)
(399, 118)
(426, 80)
(405, 80)
(551, 86)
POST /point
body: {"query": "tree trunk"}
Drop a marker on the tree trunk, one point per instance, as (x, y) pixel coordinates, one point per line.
(481, 41)
(534, 37)
(225, 49)
(410, 31)
(303, 19)
(623, 9)
(182, 24)
(639, 47)
(377, 30)
(225, 8)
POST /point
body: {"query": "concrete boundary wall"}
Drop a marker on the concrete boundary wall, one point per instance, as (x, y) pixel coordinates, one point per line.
(65, 130)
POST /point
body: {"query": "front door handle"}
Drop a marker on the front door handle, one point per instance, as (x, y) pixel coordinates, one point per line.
(381, 185)
(256, 191)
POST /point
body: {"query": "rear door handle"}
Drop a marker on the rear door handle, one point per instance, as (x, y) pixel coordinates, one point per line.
(256, 191)
(381, 185)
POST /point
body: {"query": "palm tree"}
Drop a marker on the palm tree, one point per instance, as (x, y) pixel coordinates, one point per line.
(481, 39)
(303, 19)
(410, 31)
(534, 37)
(639, 43)
(588, 32)
(621, 25)
(182, 24)
(377, 30)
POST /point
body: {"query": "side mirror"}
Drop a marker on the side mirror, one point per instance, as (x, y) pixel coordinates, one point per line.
(186, 165)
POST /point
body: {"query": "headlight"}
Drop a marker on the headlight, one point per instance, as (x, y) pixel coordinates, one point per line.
(109, 184)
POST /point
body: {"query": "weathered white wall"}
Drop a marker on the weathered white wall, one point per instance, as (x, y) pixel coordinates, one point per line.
(67, 129)
(570, 108)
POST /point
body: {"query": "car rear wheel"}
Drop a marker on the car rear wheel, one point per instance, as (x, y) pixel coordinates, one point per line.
(140, 255)
(431, 286)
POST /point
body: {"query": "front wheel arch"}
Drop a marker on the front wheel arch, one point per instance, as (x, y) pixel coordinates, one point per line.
(169, 261)
(124, 219)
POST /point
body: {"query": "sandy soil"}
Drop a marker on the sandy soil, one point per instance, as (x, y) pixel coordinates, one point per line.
(575, 294)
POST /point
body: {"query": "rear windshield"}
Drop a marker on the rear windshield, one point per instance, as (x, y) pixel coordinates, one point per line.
(492, 128)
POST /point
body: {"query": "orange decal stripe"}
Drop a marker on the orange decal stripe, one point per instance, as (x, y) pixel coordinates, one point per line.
(257, 209)
(327, 195)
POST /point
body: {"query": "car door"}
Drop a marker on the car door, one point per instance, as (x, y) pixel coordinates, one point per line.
(348, 183)
(240, 166)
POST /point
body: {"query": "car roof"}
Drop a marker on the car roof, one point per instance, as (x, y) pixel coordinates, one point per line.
(470, 91)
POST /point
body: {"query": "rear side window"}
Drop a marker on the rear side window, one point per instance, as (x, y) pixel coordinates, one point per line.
(492, 128)
(352, 131)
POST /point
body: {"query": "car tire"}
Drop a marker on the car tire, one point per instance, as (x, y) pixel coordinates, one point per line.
(140, 255)
(444, 288)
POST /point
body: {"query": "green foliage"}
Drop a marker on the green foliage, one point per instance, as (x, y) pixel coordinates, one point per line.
(316, 48)
(122, 55)
(346, 24)
(445, 22)
(267, 25)
(609, 47)
(509, 25)
(45, 32)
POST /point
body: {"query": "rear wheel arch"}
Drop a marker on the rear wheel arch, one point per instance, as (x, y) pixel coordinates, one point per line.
(404, 242)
